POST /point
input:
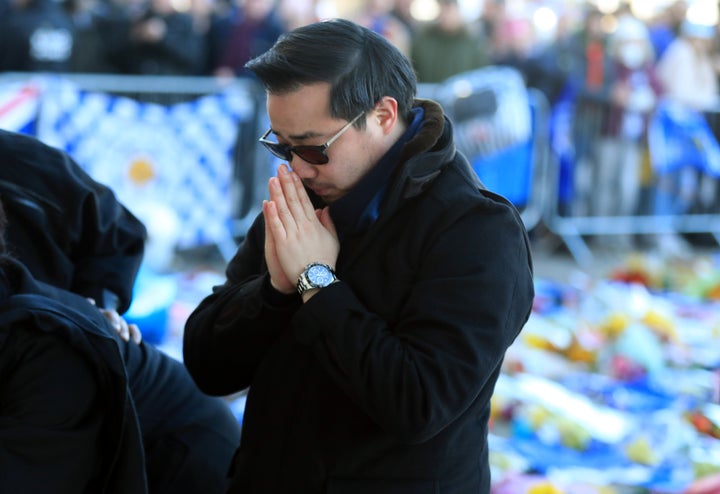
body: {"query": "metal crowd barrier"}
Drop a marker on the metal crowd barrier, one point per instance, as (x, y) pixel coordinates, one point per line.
(501, 127)
(575, 208)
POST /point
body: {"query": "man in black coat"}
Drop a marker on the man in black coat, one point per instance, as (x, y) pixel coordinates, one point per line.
(370, 306)
(73, 234)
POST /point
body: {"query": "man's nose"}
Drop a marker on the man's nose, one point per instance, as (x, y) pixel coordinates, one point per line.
(302, 167)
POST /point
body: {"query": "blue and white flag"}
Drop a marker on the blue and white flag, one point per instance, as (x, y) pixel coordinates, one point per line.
(679, 136)
(19, 103)
(172, 166)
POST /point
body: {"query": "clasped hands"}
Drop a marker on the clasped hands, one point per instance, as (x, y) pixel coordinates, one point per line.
(296, 234)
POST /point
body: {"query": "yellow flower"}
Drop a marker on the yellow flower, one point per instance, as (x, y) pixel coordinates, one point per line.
(141, 171)
(544, 488)
(615, 324)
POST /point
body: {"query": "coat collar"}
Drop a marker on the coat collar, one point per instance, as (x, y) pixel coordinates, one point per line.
(416, 164)
(360, 208)
(419, 163)
(423, 157)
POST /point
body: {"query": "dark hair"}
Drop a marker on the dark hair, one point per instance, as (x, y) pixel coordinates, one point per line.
(360, 65)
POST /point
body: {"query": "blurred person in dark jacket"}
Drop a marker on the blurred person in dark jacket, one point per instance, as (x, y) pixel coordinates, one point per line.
(245, 31)
(152, 38)
(94, 36)
(584, 72)
(72, 233)
(582, 59)
(450, 33)
(36, 36)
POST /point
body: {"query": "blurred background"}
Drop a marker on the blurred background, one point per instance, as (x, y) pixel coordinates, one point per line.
(598, 120)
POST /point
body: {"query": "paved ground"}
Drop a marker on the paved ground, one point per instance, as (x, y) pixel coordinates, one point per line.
(553, 261)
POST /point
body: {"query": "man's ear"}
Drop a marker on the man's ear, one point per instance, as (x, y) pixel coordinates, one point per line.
(386, 113)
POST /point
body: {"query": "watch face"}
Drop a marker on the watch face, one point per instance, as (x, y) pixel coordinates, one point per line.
(319, 275)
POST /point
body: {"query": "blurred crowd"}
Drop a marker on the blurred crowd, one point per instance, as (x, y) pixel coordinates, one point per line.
(204, 37)
(217, 37)
(616, 68)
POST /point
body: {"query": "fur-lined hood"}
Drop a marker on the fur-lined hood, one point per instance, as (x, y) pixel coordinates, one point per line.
(425, 156)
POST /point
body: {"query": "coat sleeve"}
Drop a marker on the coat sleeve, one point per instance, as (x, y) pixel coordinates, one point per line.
(50, 431)
(467, 301)
(228, 334)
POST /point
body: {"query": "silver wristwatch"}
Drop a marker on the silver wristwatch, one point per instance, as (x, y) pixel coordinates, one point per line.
(316, 275)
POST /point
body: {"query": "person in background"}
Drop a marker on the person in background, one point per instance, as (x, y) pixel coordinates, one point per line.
(379, 16)
(514, 38)
(150, 37)
(492, 16)
(402, 10)
(247, 30)
(666, 28)
(687, 68)
(517, 45)
(450, 33)
(67, 422)
(103, 34)
(36, 36)
(581, 62)
(90, 52)
(690, 84)
(164, 41)
(369, 308)
(296, 13)
(621, 174)
(72, 234)
(582, 58)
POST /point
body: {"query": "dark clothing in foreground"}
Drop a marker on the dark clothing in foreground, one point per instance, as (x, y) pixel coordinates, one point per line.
(77, 236)
(189, 437)
(70, 230)
(67, 420)
(376, 385)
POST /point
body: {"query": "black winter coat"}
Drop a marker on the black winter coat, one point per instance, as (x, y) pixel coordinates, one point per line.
(82, 437)
(380, 383)
(74, 232)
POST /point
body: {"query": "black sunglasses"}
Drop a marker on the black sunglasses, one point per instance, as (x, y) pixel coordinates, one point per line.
(315, 155)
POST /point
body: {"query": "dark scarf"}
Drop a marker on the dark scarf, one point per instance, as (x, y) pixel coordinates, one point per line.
(359, 209)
